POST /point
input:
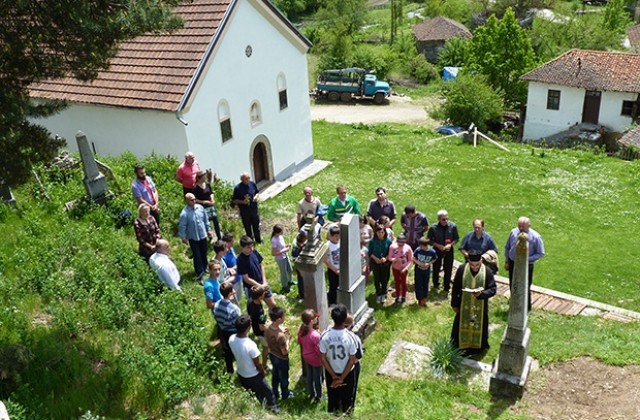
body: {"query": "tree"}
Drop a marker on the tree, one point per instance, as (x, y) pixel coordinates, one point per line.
(291, 8)
(339, 21)
(396, 18)
(502, 51)
(454, 52)
(616, 19)
(470, 99)
(47, 40)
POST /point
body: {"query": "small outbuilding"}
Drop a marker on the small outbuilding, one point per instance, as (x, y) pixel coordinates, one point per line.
(433, 33)
(582, 86)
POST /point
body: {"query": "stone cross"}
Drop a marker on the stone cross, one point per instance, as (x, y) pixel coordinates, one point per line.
(95, 182)
(511, 369)
(310, 262)
(351, 289)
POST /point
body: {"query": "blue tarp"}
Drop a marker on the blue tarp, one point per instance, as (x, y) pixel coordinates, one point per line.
(450, 73)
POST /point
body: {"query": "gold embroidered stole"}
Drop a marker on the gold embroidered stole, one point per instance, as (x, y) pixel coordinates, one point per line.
(471, 310)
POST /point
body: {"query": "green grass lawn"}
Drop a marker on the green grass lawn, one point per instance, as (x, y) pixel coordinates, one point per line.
(92, 330)
(583, 204)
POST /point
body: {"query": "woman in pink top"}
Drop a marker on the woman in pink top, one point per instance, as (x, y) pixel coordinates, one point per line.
(400, 255)
(309, 340)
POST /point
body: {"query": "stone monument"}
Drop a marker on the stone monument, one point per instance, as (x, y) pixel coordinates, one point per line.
(351, 289)
(310, 262)
(94, 181)
(511, 368)
(6, 194)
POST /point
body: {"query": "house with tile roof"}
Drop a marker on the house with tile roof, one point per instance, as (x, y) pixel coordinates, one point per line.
(582, 86)
(431, 35)
(231, 86)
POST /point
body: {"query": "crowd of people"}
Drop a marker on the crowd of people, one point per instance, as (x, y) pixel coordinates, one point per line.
(333, 355)
(430, 250)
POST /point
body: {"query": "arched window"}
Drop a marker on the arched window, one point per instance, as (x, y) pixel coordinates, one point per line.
(224, 118)
(255, 113)
(282, 92)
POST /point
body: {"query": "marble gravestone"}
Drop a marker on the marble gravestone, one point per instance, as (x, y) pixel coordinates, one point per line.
(511, 369)
(95, 182)
(351, 289)
(310, 262)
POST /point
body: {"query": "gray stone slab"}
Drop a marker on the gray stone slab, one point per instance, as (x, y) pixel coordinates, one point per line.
(408, 360)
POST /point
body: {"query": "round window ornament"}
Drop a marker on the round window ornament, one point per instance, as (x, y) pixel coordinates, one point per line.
(248, 51)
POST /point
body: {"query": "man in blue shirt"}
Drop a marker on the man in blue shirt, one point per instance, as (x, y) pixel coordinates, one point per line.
(245, 196)
(536, 249)
(194, 229)
(477, 240)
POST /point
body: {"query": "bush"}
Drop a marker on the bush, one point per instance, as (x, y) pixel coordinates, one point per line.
(454, 53)
(469, 99)
(446, 360)
(423, 71)
(374, 61)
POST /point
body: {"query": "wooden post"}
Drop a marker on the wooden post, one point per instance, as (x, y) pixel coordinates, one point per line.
(475, 136)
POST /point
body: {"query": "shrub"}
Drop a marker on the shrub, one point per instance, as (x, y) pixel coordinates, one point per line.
(446, 360)
(454, 53)
(422, 70)
(374, 61)
(469, 99)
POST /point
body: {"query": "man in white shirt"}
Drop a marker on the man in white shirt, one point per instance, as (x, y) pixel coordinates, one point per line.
(250, 371)
(338, 354)
(163, 266)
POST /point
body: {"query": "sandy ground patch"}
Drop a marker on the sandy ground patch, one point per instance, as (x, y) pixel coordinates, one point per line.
(583, 388)
(400, 109)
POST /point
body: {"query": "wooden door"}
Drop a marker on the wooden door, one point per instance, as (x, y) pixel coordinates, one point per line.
(591, 107)
(259, 163)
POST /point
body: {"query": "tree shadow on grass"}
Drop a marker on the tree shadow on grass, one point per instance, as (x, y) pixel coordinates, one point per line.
(64, 377)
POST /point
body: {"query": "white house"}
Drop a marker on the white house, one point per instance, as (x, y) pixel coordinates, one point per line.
(597, 87)
(231, 86)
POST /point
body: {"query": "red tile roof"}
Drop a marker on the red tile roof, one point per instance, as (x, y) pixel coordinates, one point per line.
(440, 29)
(631, 137)
(634, 36)
(151, 71)
(591, 70)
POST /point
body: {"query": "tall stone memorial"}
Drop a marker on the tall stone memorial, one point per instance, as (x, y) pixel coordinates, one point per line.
(95, 182)
(511, 369)
(351, 289)
(310, 262)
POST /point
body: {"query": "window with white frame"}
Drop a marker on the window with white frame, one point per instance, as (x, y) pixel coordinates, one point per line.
(282, 92)
(224, 118)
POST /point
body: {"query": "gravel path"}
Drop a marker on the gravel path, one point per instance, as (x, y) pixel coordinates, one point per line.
(399, 109)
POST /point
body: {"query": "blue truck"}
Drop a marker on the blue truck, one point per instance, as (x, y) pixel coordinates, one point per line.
(343, 84)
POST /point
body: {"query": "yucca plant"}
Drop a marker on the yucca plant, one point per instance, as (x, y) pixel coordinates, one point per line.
(446, 360)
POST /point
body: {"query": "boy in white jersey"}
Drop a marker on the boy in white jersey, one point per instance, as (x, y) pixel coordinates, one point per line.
(338, 355)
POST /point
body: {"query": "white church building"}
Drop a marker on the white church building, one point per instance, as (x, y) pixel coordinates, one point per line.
(231, 86)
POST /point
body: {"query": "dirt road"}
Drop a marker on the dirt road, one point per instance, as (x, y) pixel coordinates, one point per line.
(399, 109)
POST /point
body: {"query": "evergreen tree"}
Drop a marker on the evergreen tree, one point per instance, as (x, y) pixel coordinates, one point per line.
(41, 40)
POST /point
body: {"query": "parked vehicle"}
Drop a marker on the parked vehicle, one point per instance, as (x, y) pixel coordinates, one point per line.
(344, 84)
